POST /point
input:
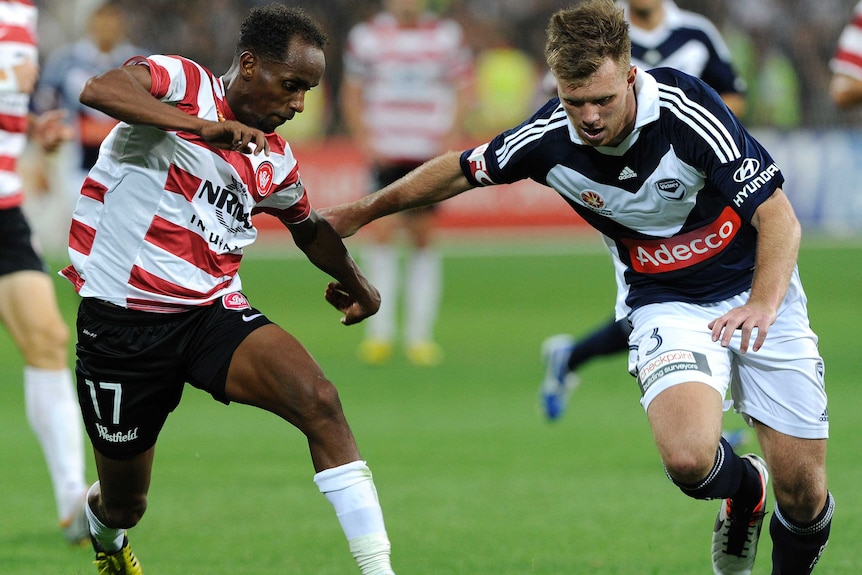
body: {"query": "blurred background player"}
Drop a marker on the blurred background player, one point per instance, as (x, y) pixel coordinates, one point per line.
(846, 85)
(103, 47)
(403, 99)
(662, 35)
(28, 306)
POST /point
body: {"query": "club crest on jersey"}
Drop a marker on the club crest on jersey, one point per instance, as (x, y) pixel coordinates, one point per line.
(263, 178)
(670, 189)
(595, 202)
(235, 301)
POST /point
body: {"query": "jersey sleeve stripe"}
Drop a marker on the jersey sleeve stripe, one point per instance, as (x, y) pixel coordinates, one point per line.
(529, 133)
(701, 120)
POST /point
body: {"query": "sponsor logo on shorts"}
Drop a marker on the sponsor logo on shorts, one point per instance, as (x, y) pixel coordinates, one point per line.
(668, 362)
(235, 301)
(117, 436)
(684, 250)
(824, 417)
(252, 317)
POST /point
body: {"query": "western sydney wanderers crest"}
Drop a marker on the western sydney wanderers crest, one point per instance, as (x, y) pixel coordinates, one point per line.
(263, 178)
(235, 301)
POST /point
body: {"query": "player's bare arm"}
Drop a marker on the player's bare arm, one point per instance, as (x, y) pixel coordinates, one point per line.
(432, 182)
(778, 238)
(124, 94)
(845, 91)
(351, 293)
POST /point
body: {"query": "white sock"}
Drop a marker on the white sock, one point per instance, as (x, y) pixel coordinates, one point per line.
(422, 295)
(381, 268)
(109, 539)
(350, 489)
(53, 413)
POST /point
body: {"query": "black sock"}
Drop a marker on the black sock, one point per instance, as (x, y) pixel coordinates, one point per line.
(731, 476)
(797, 548)
(611, 338)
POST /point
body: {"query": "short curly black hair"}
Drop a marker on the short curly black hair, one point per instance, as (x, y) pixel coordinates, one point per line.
(267, 31)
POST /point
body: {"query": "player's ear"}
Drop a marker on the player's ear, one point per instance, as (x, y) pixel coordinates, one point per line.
(247, 64)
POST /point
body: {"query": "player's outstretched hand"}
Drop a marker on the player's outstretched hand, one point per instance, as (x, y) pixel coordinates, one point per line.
(235, 136)
(354, 309)
(339, 217)
(746, 318)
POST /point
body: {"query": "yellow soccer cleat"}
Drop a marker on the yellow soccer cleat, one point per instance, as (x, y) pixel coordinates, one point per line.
(375, 352)
(122, 562)
(424, 354)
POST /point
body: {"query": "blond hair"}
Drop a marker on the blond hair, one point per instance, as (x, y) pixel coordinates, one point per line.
(583, 37)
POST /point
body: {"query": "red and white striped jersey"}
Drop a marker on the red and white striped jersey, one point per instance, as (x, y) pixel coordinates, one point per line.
(410, 77)
(17, 44)
(163, 217)
(848, 54)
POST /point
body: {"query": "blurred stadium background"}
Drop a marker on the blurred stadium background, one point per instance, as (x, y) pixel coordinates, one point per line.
(781, 48)
(471, 477)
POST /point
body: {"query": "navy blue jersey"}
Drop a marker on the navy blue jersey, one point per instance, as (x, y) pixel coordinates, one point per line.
(689, 42)
(676, 197)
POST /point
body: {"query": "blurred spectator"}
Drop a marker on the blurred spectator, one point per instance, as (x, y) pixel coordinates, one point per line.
(67, 69)
(28, 304)
(845, 87)
(403, 98)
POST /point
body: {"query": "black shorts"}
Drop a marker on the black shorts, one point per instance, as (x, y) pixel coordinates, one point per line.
(17, 252)
(382, 176)
(132, 365)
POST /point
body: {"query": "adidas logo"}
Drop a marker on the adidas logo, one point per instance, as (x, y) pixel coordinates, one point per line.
(628, 174)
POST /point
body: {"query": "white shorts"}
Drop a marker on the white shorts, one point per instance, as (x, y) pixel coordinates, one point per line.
(780, 385)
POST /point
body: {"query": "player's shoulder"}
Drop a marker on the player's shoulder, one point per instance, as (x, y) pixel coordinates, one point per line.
(671, 80)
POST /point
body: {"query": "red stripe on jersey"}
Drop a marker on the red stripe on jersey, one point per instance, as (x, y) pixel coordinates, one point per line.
(12, 201)
(94, 190)
(182, 182)
(142, 280)
(276, 144)
(18, 34)
(81, 237)
(13, 124)
(295, 214)
(8, 163)
(849, 57)
(191, 247)
(160, 79)
(70, 273)
(192, 73)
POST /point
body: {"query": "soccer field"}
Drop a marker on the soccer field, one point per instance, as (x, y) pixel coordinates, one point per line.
(472, 479)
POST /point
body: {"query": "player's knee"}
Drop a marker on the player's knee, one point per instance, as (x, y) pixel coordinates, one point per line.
(799, 501)
(687, 466)
(45, 346)
(321, 404)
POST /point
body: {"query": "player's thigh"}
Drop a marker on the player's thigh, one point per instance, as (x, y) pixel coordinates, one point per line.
(670, 344)
(272, 370)
(29, 311)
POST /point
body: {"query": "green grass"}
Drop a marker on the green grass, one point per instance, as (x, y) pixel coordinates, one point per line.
(472, 479)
